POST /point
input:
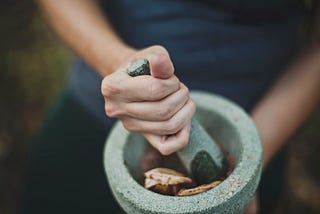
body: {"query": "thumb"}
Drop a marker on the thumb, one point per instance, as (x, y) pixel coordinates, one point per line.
(160, 63)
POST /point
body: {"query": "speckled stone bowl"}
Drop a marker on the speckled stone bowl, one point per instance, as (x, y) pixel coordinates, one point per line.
(229, 125)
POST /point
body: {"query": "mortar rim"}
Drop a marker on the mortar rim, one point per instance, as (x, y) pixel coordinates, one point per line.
(248, 165)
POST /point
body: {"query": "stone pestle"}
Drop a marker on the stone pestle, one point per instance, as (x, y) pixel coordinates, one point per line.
(202, 157)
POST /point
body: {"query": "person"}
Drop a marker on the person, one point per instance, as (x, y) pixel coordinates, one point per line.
(241, 50)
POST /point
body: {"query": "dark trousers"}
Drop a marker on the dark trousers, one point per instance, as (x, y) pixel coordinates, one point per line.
(66, 172)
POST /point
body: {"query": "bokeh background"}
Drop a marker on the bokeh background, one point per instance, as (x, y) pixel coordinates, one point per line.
(34, 67)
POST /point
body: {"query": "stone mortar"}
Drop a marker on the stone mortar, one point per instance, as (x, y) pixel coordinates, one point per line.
(228, 125)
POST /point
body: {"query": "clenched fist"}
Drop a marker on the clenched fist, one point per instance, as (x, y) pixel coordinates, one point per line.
(157, 106)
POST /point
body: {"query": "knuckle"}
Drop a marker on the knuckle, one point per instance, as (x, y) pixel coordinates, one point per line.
(109, 88)
(175, 83)
(170, 127)
(185, 94)
(108, 110)
(165, 113)
(185, 90)
(112, 111)
(193, 106)
(103, 86)
(156, 90)
(163, 149)
(172, 85)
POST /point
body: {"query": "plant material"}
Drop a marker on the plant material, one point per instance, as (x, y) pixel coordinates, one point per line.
(165, 181)
(198, 189)
(170, 182)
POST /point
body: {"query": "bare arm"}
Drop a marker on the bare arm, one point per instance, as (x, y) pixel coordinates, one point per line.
(157, 105)
(82, 25)
(287, 105)
(291, 100)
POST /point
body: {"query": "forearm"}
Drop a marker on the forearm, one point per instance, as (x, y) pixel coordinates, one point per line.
(289, 102)
(82, 25)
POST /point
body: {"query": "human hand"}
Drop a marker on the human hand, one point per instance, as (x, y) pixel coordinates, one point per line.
(157, 106)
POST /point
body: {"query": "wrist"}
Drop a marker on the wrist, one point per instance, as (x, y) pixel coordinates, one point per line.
(114, 57)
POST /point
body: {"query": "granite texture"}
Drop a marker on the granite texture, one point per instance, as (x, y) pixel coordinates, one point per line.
(139, 67)
(202, 157)
(228, 125)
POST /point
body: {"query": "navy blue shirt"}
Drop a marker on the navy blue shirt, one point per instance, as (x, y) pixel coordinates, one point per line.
(235, 48)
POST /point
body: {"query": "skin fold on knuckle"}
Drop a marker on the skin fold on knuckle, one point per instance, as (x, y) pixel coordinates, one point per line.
(193, 107)
(185, 95)
(113, 111)
(175, 124)
(170, 126)
(168, 107)
(104, 84)
(186, 91)
(109, 110)
(156, 90)
(170, 86)
(110, 88)
(176, 83)
(165, 111)
(161, 88)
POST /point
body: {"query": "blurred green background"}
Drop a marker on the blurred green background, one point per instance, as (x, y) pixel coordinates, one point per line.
(33, 69)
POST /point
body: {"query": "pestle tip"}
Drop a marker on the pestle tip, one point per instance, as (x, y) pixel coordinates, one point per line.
(204, 169)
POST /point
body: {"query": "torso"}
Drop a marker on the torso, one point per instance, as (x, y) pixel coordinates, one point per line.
(233, 48)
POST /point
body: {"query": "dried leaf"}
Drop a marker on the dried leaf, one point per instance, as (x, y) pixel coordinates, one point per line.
(199, 189)
(164, 176)
(148, 183)
(163, 189)
(168, 182)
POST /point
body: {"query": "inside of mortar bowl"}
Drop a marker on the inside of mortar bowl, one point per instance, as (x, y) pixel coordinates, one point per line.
(227, 124)
(218, 127)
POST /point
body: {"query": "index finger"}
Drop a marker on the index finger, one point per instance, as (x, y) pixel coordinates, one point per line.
(149, 88)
